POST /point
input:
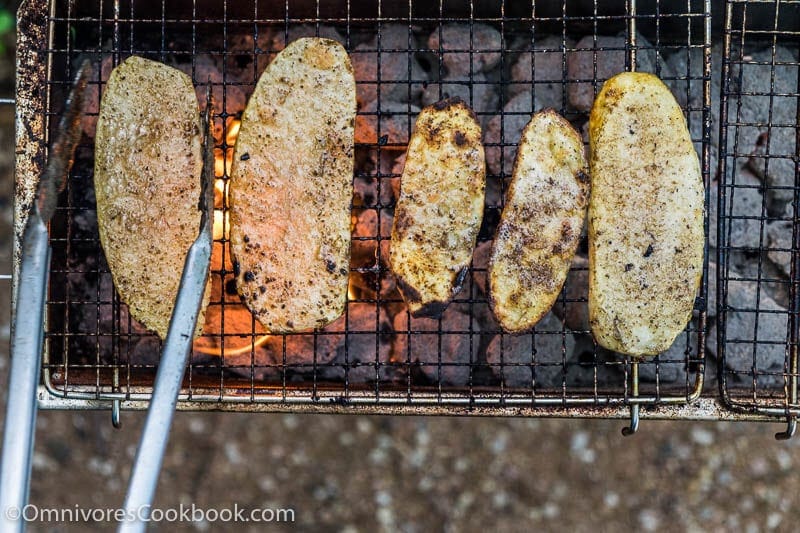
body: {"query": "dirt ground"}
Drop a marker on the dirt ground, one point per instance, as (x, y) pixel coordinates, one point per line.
(362, 473)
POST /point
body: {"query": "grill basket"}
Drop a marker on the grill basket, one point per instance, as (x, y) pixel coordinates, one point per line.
(757, 227)
(506, 60)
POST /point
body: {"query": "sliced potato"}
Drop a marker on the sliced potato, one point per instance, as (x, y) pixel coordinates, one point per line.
(541, 223)
(645, 217)
(439, 212)
(291, 188)
(148, 161)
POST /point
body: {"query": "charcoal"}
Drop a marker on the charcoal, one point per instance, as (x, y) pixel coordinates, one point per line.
(543, 65)
(780, 236)
(482, 98)
(576, 287)
(396, 119)
(689, 63)
(91, 99)
(672, 363)
(772, 149)
(581, 65)
(390, 188)
(483, 40)
(743, 300)
(516, 114)
(232, 100)
(396, 67)
(744, 199)
(505, 352)
(247, 55)
(364, 254)
(368, 343)
(424, 348)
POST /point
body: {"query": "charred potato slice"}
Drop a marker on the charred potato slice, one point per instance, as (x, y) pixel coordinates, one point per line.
(148, 161)
(291, 188)
(645, 217)
(541, 223)
(440, 208)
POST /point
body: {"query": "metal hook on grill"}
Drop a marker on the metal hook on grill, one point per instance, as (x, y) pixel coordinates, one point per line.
(634, 425)
(791, 429)
(115, 416)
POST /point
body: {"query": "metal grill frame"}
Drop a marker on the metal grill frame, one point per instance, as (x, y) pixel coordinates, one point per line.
(34, 111)
(746, 31)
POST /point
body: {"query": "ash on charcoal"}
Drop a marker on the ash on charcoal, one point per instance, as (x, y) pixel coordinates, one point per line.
(772, 149)
(516, 114)
(575, 310)
(603, 59)
(741, 333)
(454, 42)
(394, 118)
(779, 235)
(511, 357)
(423, 349)
(480, 94)
(594, 364)
(744, 205)
(402, 77)
(369, 346)
(670, 366)
(688, 63)
(541, 69)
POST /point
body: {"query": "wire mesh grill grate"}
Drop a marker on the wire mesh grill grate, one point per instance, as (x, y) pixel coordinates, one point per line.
(506, 60)
(758, 206)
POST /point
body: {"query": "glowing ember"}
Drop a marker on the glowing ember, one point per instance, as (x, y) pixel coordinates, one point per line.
(237, 317)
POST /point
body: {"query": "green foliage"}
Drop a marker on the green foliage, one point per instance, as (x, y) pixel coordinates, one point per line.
(6, 28)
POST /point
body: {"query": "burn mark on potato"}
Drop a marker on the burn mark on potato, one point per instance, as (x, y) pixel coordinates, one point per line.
(649, 251)
(236, 268)
(459, 138)
(262, 289)
(330, 266)
(459, 281)
(246, 239)
(410, 293)
(244, 157)
(402, 221)
(230, 287)
(249, 277)
(628, 267)
(582, 176)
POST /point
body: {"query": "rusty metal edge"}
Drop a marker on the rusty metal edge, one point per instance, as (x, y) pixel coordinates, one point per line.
(711, 409)
(30, 130)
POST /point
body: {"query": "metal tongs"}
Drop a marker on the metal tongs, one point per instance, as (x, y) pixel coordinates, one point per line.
(28, 335)
(175, 354)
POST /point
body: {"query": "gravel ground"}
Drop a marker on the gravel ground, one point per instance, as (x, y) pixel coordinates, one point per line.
(359, 473)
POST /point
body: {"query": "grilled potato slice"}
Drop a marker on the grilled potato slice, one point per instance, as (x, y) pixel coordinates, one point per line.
(148, 161)
(439, 212)
(291, 188)
(645, 217)
(541, 223)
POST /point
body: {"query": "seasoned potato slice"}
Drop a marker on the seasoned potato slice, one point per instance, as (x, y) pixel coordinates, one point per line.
(440, 208)
(645, 217)
(541, 222)
(148, 161)
(291, 188)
